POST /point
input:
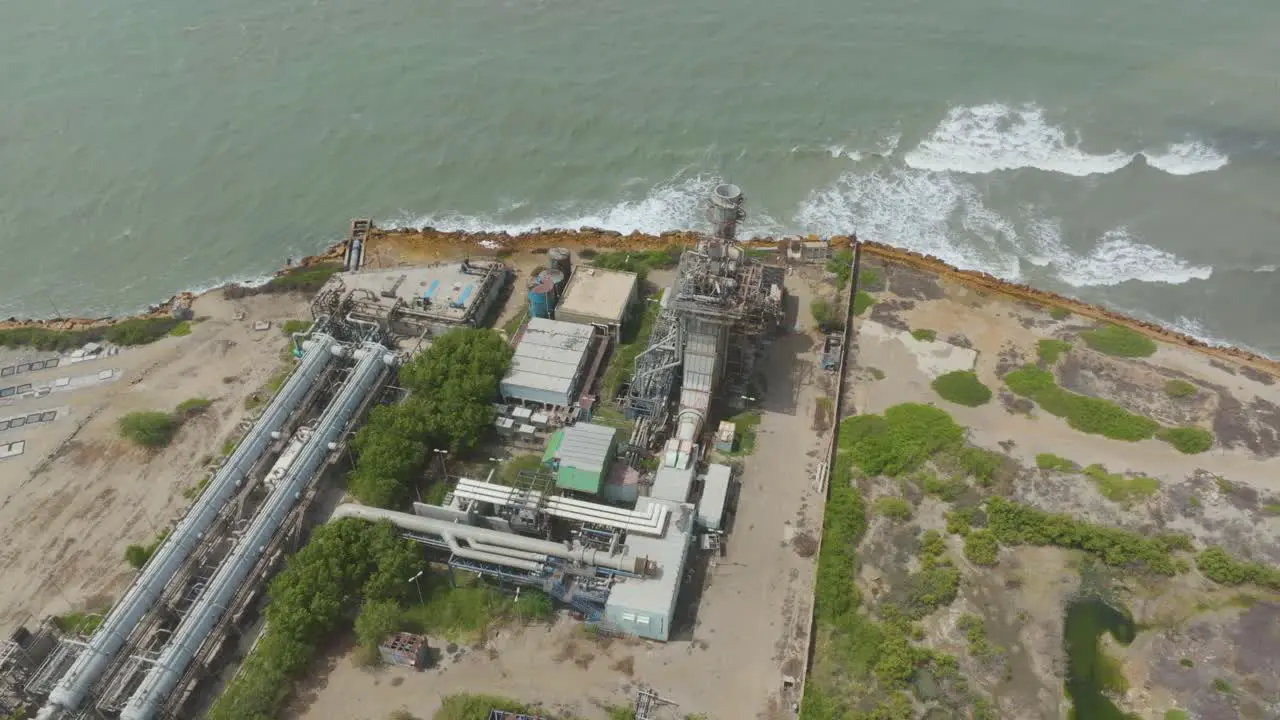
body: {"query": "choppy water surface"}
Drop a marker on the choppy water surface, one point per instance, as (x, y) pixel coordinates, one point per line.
(1125, 153)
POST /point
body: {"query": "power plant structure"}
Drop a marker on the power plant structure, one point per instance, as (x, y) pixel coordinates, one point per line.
(147, 655)
(715, 323)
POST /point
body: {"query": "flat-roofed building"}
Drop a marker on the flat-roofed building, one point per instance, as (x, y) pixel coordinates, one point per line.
(549, 362)
(647, 607)
(595, 296)
(582, 455)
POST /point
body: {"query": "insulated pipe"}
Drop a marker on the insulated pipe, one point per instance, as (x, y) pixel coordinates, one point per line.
(177, 547)
(523, 554)
(432, 526)
(231, 574)
(491, 558)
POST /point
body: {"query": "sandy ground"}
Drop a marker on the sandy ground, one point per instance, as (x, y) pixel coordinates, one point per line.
(750, 615)
(1217, 497)
(79, 494)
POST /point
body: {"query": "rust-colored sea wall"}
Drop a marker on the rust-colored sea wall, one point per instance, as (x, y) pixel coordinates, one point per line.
(407, 245)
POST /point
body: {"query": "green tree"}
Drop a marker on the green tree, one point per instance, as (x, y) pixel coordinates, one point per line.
(377, 620)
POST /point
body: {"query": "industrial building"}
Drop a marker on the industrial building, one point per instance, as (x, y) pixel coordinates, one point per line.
(581, 456)
(413, 301)
(595, 296)
(715, 497)
(554, 361)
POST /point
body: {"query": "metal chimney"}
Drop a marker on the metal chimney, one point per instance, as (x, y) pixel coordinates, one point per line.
(725, 210)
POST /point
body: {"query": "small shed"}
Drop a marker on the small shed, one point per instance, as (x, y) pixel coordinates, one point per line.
(581, 455)
(715, 497)
(725, 436)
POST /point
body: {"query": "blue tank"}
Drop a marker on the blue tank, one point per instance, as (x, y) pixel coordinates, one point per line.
(542, 297)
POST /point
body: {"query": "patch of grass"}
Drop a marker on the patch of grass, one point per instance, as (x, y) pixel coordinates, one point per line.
(1118, 488)
(1187, 662)
(477, 707)
(512, 325)
(467, 612)
(229, 446)
(278, 378)
(1188, 440)
(1221, 685)
(1086, 414)
(962, 387)
(924, 334)
(945, 489)
(1220, 567)
(639, 261)
(841, 265)
(975, 635)
(1016, 524)
(1271, 509)
(980, 463)
(936, 583)
(191, 407)
(148, 429)
(981, 548)
(894, 508)
(635, 337)
(1059, 313)
(861, 301)
(1049, 461)
(900, 440)
(289, 327)
(1179, 389)
(962, 520)
(746, 424)
(876, 373)
(138, 555)
(194, 491)
(826, 314)
(182, 329)
(868, 276)
(1050, 349)
(1119, 341)
(136, 331)
(307, 279)
(1175, 715)
(83, 622)
(511, 469)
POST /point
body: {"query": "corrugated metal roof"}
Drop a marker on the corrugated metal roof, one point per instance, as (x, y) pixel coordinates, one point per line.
(586, 446)
(698, 371)
(715, 495)
(548, 357)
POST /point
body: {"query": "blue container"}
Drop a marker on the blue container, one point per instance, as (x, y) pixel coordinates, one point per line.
(539, 303)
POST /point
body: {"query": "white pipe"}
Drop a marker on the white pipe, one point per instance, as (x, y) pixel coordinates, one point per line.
(523, 554)
(431, 526)
(492, 558)
(178, 546)
(233, 570)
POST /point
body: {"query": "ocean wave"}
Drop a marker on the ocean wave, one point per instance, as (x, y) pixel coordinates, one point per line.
(1187, 158)
(994, 137)
(1118, 257)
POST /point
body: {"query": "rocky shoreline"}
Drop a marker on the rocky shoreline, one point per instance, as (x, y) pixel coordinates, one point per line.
(430, 241)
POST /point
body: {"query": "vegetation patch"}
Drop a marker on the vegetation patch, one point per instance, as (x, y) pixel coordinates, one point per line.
(1086, 414)
(947, 489)
(1059, 313)
(826, 314)
(1220, 567)
(1116, 487)
(136, 331)
(745, 426)
(511, 326)
(979, 463)
(962, 387)
(149, 428)
(451, 386)
(1179, 389)
(924, 334)
(1119, 341)
(510, 470)
(1188, 440)
(182, 329)
(936, 583)
(900, 440)
(635, 337)
(466, 613)
(981, 548)
(1016, 524)
(191, 407)
(345, 565)
(841, 265)
(639, 262)
(477, 707)
(861, 301)
(138, 555)
(894, 508)
(1049, 461)
(975, 635)
(290, 327)
(305, 279)
(1050, 349)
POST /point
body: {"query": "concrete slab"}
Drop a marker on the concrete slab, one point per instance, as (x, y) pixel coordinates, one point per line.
(933, 357)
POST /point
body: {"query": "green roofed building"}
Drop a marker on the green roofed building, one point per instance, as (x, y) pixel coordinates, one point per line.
(581, 456)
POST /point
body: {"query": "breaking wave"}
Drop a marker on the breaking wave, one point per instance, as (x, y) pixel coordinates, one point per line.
(994, 137)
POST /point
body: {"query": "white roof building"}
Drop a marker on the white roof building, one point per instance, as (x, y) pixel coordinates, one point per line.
(548, 363)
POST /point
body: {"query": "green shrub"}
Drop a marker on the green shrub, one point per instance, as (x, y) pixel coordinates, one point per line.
(138, 555)
(1188, 440)
(962, 387)
(893, 507)
(182, 329)
(191, 407)
(308, 279)
(1050, 349)
(1119, 341)
(945, 489)
(979, 463)
(1049, 461)
(868, 276)
(139, 331)
(1059, 313)
(1220, 567)
(924, 334)
(148, 429)
(861, 301)
(937, 582)
(826, 314)
(906, 436)
(841, 265)
(1179, 389)
(961, 520)
(1015, 524)
(1118, 488)
(1086, 414)
(981, 548)
(290, 327)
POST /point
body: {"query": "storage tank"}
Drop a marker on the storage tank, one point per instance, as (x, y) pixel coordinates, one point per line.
(560, 259)
(542, 296)
(557, 278)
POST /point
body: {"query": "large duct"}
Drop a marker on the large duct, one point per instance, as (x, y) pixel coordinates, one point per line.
(493, 541)
(177, 547)
(191, 634)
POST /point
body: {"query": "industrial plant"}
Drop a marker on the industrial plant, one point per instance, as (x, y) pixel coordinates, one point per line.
(605, 525)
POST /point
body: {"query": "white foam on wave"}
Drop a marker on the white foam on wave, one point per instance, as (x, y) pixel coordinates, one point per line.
(1116, 258)
(678, 204)
(993, 137)
(1187, 158)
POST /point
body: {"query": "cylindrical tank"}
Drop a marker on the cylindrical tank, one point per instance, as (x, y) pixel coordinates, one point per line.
(542, 296)
(556, 277)
(560, 259)
(725, 210)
